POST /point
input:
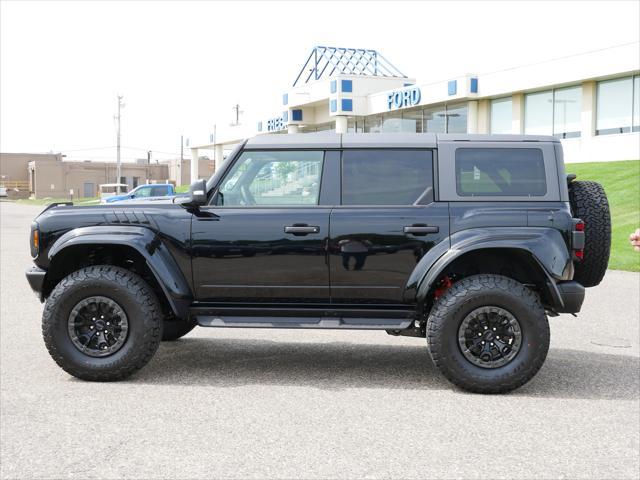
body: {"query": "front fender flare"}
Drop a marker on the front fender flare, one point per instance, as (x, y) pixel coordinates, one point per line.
(546, 246)
(148, 244)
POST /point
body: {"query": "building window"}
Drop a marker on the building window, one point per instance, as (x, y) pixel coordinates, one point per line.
(373, 124)
(553, 112)
(567, 112)
(538, 113)
(434, 119)
(501, 115)
(326, 127)
(392, 122)
(412, 121)
(618, 105)
(446, 119)
(355, 125)
(456, 119)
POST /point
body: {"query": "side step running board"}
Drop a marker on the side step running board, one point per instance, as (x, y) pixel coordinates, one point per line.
(346, 323)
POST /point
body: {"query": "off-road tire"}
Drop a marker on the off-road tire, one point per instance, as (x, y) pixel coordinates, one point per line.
(589, 203)
(129, 291)
(175, 329)
(469, 294)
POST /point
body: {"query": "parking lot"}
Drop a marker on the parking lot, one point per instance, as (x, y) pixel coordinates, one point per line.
(232, 403)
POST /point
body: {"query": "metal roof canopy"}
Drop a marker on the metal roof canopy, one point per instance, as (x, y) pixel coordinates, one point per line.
(347, 61)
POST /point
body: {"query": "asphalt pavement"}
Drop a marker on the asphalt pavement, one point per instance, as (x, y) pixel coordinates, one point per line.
(242, 403)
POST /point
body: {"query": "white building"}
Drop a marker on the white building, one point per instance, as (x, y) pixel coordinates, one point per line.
(590, 101)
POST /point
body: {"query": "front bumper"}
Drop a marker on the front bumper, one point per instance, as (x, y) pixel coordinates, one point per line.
(35, 276)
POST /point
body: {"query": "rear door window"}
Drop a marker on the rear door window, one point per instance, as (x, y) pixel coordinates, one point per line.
(500, 172)
(387, 177)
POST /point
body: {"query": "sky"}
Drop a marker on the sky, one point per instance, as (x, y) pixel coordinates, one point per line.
(181, 66)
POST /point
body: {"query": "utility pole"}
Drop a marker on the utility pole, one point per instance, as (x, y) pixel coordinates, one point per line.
(236, 108)
(118, 167)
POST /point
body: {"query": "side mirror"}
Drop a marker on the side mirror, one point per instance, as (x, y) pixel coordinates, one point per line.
(198, 193)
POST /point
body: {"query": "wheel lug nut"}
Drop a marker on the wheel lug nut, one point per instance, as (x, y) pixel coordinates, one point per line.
(483, 343)
(107, 323)
(494, 329)
(91, 327)
(485, 328)
(492, 344)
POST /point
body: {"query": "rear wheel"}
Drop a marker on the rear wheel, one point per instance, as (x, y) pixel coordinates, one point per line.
(589, 203)
(102, 323)
(488, 334)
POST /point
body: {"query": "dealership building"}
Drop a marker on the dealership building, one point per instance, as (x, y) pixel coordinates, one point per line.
(590, 101)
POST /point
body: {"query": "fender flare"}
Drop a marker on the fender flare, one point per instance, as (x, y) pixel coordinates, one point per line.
(148, 244)
(545, 245)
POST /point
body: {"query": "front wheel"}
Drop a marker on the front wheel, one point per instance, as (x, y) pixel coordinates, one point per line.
(488, 334)
(102, 323)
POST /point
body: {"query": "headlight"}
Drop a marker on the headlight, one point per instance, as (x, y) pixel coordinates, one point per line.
(35, 240)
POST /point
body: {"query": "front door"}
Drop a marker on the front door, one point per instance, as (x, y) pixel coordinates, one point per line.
(387, 221)
(264, 239)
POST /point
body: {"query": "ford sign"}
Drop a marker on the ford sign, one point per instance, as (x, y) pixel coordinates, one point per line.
(403, 98)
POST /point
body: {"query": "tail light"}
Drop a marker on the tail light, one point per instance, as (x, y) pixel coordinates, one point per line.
(578, 239)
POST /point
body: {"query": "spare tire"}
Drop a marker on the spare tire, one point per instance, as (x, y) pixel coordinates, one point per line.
(589, 203)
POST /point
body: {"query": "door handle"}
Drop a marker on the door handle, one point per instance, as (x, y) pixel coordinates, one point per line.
(301, 229)
(419, 230)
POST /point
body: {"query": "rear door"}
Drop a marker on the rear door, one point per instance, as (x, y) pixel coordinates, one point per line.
(264, 239)
(386, 222)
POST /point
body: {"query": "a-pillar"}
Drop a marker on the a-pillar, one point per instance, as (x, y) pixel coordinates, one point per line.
(341, 124)
(194, 164)
(219, 157)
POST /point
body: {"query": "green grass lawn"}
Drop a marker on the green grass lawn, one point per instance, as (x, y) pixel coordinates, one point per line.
(621, 181)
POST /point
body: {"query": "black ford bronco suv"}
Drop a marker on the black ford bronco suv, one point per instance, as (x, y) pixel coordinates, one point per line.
(468, 240)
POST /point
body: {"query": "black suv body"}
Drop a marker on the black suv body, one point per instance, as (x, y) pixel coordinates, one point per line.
(451, 237)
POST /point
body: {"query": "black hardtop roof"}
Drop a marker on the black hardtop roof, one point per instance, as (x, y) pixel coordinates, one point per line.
(386, 140)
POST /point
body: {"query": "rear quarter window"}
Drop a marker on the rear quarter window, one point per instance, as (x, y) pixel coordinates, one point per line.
(514, 172)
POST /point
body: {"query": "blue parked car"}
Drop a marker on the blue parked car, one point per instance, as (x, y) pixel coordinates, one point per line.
(143, 192)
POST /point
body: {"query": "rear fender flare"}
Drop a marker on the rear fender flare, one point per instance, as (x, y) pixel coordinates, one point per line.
(546, 246)
(148, 244)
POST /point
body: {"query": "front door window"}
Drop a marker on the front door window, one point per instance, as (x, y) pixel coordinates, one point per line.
(273, 178)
